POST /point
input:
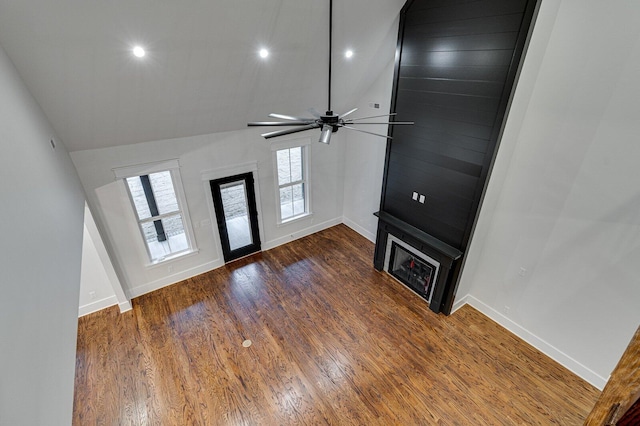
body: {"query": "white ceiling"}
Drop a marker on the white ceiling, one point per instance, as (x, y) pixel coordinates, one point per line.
(201, 74)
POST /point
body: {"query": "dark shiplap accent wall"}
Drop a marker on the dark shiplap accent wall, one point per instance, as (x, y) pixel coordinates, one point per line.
(454, 78)
(455, 73)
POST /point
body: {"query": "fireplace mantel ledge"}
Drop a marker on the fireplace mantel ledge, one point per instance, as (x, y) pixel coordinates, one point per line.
(422, 236)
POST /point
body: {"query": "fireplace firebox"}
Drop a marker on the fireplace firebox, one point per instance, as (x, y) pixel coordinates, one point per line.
(417, 271)
(418, 260)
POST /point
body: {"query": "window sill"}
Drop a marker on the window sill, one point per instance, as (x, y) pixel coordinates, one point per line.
(171, 258)
(294, 219)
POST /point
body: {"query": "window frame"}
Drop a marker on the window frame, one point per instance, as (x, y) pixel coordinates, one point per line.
(173, 167)
(305, 145)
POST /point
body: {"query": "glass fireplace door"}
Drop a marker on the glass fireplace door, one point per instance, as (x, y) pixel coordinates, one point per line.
(413, 270)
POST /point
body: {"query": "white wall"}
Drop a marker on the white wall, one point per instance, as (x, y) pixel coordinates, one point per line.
(96, 292)
(365, 154)
(41, 226)
(198, 156)
(100, 286)
(564, 199)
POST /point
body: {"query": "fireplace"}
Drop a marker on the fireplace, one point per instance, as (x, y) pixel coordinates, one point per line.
(421, 262)
(416, 270)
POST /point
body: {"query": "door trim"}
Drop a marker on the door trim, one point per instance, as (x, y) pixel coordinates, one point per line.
(221, 172)
(248, 181)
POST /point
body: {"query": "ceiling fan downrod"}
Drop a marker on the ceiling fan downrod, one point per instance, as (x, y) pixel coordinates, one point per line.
(329, 122)
(329, 111)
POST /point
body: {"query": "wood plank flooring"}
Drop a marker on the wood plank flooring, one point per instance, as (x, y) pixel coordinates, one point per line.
(334, 342)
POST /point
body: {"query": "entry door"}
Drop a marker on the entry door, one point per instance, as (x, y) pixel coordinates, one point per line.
(234, 199)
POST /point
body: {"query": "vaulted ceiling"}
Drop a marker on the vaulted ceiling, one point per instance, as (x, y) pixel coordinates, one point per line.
(201, 74)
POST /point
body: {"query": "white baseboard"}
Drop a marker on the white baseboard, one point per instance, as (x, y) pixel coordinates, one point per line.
(125, 306)
(459, 303)
(268, 245)
(359, 229)
(201, 269)
(540, 344)
(175, 278)
(535, 341)
(192, 272)
(96, 306)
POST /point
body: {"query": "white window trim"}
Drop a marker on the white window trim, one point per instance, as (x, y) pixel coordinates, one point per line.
(173, 166)
(145, 169)
(305, 143)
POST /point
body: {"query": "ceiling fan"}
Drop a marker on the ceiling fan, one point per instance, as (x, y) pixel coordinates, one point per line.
(329, 122)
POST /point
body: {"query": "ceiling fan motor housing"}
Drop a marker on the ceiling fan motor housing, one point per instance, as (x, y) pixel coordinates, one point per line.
(330, 119)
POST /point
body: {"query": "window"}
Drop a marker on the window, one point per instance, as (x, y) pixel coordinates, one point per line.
(160, 211)
(292, 180)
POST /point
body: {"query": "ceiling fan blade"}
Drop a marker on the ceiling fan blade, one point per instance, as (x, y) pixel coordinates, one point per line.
(347, 113)
(280, 123)
(364, 131)
(325, 136)
(314, 112)
(289, 117)
(387, 122)
(289, 131)
(371, 116)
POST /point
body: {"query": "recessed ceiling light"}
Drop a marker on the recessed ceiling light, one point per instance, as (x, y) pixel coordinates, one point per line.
(139, 52)
(264, 53)
(348, 54)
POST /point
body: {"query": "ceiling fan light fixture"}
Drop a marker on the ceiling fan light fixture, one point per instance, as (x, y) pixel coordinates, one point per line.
(325, 135)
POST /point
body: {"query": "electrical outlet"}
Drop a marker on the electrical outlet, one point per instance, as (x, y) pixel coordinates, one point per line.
(522, 272)
(507, 309)
(170, 268)
(92, 295)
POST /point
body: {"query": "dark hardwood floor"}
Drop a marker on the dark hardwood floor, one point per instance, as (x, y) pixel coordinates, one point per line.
(334, 342)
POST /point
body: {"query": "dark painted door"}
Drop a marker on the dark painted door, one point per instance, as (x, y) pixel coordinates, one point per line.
(234, 201)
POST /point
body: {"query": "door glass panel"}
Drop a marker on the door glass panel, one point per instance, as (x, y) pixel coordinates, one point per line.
(236, 214)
